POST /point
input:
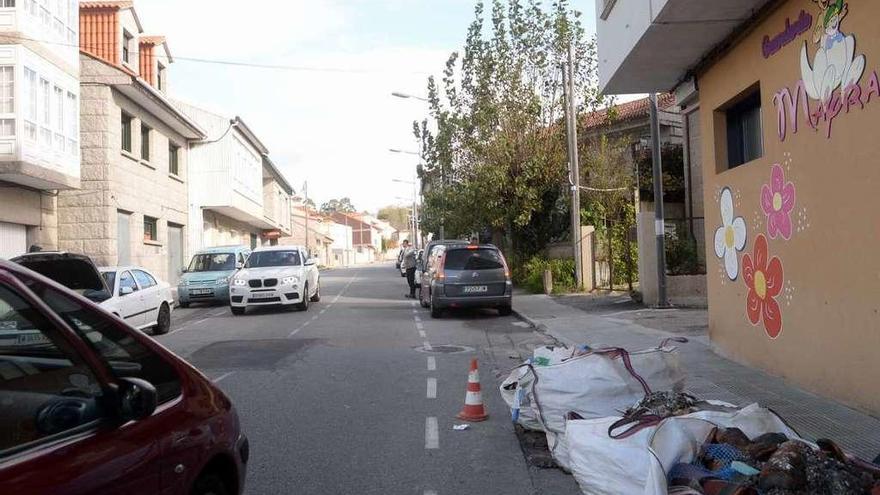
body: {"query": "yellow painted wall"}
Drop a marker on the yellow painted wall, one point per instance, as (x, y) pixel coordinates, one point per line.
(829, 299)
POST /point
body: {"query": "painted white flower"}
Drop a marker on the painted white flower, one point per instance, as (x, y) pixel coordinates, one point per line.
(731, 236)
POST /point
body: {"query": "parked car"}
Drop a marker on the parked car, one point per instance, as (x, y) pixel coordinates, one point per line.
(276, 275)
(466, 276)
(207, 276)
(77, 272)
(92, 405)
(399, 258)
(139, 298)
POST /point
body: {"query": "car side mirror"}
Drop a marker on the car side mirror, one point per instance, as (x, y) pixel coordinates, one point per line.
(126, 291)
(239, 265)
(311, 261)
(136, 399)
(183, 270)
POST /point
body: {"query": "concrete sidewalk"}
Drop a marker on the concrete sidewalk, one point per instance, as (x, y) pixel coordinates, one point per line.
(710, 376)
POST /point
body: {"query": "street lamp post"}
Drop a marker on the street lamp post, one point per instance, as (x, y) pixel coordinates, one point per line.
(415, 200)
(407, 96)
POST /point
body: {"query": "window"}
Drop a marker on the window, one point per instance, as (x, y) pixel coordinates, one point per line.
(473, 259)
(126, 280)
(39, 367)
(72, 125)
(150, 233)
(45, 112)
(9, 4)
(7, 101)
(30, 102)
(212, 262)
(745, 134)
(126, 46)
(173, 159)
(261, 259)
(124, 355)
(253, 241)
(160, 77)
(145, 142)
(126, 132)
(144, 279)
(58, 115)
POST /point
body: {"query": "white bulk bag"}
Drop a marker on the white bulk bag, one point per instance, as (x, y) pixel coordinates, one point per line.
(637, 465)
(594, 385)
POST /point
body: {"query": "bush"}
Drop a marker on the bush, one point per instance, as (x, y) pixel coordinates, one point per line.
(530, 275)
(681, 256)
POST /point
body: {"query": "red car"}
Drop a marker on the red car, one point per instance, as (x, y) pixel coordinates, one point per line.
(88, 405)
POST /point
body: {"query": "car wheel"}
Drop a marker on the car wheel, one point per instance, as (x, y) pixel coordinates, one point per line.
(210, 484)
(435, 311)
(184, 304)
(304, 305)
(505, 310)
(237, 311)
(163, 321)
(317, 296)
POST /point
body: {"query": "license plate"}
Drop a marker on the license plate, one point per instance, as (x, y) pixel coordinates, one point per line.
(475, 289)
(199, 292)
(262, 295)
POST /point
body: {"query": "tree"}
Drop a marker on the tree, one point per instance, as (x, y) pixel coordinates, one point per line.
(338, 205)
(397, 216)
(310, 203)
(498, 159)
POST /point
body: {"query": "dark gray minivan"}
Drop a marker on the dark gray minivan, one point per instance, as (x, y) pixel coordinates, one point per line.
(466, 276)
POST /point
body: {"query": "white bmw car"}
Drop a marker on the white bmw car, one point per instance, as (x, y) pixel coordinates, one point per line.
(139, 298)
(275, 275)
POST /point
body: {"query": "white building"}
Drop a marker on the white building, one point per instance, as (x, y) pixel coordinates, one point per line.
(342, 248)
(39, 119)
(236, 194)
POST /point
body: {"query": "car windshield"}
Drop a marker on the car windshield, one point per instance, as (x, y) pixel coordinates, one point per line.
(262, 259)
(110, 279)
(214, 262)
(473, 259)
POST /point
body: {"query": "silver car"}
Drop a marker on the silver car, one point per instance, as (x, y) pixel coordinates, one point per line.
(466, 276)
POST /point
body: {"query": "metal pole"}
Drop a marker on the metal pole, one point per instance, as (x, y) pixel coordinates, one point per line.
(306, 204)
(659, 222)
(416, 210)
(575, 171)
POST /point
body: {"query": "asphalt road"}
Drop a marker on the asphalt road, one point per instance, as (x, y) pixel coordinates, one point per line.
(342, 400)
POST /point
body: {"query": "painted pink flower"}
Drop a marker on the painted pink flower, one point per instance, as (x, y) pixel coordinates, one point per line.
(777, 201)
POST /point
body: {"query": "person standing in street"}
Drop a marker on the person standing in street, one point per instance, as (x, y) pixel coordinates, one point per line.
(409, 266)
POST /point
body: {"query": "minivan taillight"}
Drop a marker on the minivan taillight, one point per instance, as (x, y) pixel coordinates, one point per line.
(506, 268)
(440, 274)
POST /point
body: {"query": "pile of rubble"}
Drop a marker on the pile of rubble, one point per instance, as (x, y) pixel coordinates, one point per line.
(620, 422)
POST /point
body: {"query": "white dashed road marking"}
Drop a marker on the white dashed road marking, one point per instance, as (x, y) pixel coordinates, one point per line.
(417, 318)
(420, 326)
(422, 334)
(427, 346)
(432, 363)
(432, 433)
(432, 388)
(221, 377)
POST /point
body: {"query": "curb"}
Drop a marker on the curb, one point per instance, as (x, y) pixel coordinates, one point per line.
(538, 327)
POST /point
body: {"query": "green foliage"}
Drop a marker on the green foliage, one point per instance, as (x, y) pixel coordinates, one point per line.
(615, 227)
(672, 159)
(498, 159)
(338, 205)
(397, 216)
(530, 275)
(681, 256)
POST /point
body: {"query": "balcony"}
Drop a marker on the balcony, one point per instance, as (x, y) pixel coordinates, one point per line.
(650, 45)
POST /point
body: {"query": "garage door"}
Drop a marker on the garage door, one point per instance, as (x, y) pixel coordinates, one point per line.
(13, 240)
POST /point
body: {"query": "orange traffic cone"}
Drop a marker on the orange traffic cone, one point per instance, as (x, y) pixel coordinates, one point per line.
(473, 400)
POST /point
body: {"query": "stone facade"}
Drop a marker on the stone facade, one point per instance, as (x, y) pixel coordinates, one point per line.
(118, 182)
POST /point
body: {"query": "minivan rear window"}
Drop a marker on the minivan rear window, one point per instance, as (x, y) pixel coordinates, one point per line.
(473, 259)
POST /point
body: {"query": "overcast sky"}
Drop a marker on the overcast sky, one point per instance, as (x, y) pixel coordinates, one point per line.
(330, 127)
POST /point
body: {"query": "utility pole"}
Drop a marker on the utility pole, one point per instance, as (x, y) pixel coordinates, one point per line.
(659, 221)
(416, 210)
(574, 167)
(306, 204)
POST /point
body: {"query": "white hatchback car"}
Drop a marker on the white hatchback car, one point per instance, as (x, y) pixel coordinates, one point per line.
(139, 298)
(275, 275)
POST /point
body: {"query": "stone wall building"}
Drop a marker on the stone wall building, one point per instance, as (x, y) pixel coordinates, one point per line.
(132, 208)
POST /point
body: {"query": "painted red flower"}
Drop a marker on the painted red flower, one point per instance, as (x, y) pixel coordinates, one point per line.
(764, 278)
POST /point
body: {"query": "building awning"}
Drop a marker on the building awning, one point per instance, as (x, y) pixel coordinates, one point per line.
(242, 216)
(651, 45)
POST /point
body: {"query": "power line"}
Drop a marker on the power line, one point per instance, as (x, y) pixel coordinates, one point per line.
(235, 63)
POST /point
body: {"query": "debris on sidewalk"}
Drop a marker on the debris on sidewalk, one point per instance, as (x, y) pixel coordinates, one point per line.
(620, 422)
(460, 427)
